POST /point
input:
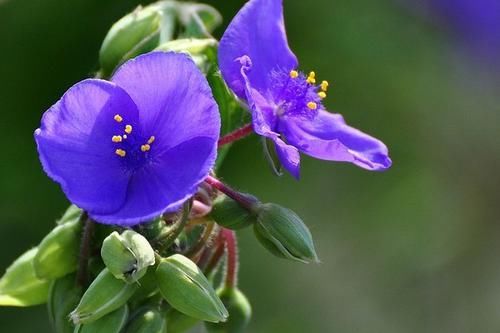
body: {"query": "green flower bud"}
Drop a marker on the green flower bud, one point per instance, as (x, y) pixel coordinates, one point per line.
(71, 214)
(239, 309)
(136, 33)
(284, 234)
(110, 323)
(105, 295)
(230, 214)
(127, 256)
(20, 286)
(202, 51)
(178, 322)
(64, 295)
(58, 252)
(185, 287)
(148, 287)
(199, 20)
(149, 321)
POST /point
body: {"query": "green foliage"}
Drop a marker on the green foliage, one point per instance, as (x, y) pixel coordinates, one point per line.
(239, 308)
(64, 295)
(58, 252)
(20, 286)
(113, 322)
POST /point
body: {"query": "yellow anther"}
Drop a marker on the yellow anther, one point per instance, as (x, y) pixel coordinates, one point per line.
(145, 147)
(116, 138)
(294, 74)
(128, 129)
(151, 139)
(118, 118)
(311, 78)
(312, 105)
(322, 94)
(324, 85)
(120, 152)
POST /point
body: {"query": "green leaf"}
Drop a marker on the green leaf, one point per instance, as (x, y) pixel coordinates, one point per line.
(20, 286)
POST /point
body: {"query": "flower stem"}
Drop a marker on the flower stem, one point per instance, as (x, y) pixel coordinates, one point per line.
(216, 257)
(86, 243)
(244, 201)
(235, 135)
(232, 258)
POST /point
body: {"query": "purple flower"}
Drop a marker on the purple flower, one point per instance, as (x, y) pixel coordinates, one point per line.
(130, 149)
(286, 106)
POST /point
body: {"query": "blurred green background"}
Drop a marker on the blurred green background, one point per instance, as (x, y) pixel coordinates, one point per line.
(414, 249)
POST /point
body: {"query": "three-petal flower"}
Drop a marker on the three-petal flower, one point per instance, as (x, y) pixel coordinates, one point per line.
(286, 105)
(132, 148)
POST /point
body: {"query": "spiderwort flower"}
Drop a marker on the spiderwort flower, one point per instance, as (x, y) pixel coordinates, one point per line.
(137, 146)
(286, 105)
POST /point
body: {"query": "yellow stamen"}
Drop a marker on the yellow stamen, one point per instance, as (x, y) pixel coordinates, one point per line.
(118, 118)
(151, 139)
(116, 138)
(145, 147)
(120, 152)
(322, 94)
(128, 129)
(312, 105)
(324, 85)
(311, 78)
(294, 74)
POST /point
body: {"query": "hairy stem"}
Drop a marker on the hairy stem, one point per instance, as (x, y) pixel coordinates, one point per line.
(244, 201)
(235, 135)
(232, 258)
(82, 275)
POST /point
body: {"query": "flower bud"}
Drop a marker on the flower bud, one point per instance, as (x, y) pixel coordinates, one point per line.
(198, 20)
(71, 214)
(149, 321)
(230, 214)
(105, 295)
(185, 287)
(19, 286)
(202, 51)
(284, 234)
(178, 322)
(239, 309)
(127, 256)
(113, 322)
(57, 254)
(135, 33)
(147, 287)
(64, 295)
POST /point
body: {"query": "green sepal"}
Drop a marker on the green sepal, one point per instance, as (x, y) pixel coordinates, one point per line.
(284, 234)
(127, 255)
(113, 322)
(198, 20)
(105, 295)
(71, 214)
(151, 320)
(20, 286)
(230, 214)
(57, 254)
(239, 308)
(64, 295)
(178, 322)
(186, 289)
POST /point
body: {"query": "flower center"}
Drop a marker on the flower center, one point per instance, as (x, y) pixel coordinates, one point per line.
(296, 94)
(131, 145)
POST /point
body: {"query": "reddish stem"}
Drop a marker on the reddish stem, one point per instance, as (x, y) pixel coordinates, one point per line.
(244, 201)
(216, 257)
(235, 135)
(232, 258)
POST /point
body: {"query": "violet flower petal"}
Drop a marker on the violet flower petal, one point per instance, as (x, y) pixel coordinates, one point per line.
(172, 178)
(174, 99)
(75, 147)
(257, 31)
(328, 137)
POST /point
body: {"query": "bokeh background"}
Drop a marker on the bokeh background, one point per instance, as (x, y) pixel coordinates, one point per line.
(414, 249)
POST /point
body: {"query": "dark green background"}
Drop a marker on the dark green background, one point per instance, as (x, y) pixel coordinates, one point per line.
(414, 249)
